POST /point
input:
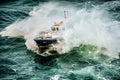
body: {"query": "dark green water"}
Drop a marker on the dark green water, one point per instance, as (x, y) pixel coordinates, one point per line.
(80, 63)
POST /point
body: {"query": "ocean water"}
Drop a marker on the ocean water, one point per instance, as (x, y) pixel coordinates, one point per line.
(91, 35)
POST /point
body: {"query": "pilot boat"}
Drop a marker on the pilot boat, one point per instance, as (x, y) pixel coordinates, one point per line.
(50, 43)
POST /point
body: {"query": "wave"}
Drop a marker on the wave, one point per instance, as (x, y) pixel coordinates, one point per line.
(83, 25)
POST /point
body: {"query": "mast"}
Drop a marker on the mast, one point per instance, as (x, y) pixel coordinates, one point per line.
(65, 14)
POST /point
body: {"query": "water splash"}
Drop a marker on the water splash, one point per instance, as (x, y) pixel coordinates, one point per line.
(83, 26)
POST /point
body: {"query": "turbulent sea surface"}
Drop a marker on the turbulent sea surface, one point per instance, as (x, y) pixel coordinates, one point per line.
(92, 40)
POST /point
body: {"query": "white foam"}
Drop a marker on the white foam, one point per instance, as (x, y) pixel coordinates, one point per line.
(55, 77)
(82, 26)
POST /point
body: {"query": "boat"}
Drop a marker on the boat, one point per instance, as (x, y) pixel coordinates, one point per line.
(50, 42)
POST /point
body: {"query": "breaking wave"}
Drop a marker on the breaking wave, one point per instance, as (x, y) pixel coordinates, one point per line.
(91, 26)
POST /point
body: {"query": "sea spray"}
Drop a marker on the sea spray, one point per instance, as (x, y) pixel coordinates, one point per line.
(91, 27)
(83, 62)
(82, 26)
